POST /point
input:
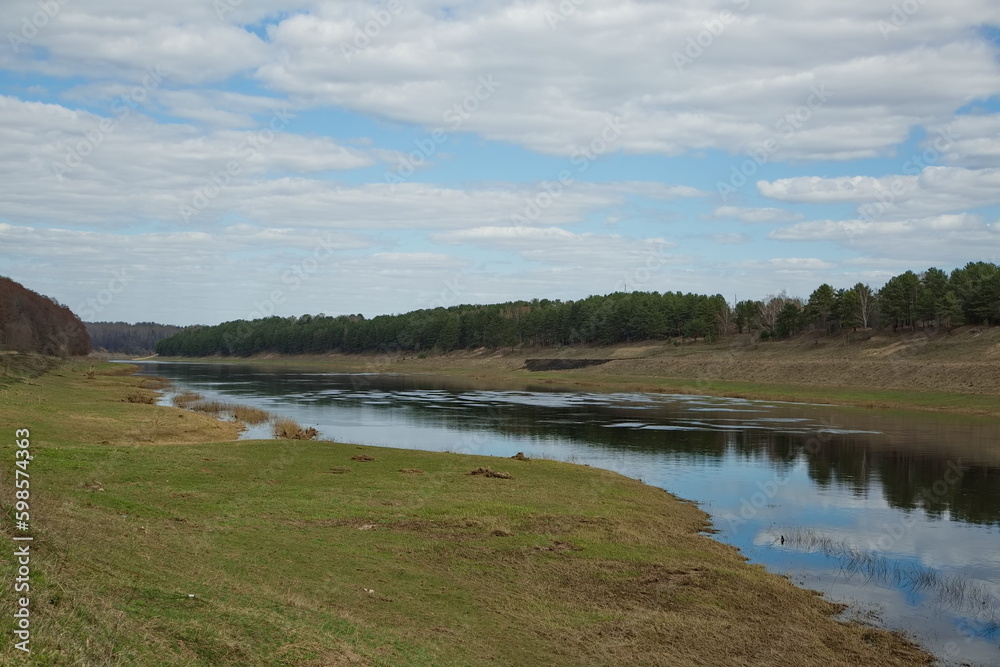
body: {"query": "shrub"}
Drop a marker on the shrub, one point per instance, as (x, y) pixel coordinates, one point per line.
(287, 429)
(139, 396)
(250, 415)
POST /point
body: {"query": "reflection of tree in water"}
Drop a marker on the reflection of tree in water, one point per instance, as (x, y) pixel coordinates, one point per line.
(909, 480)
(913, 483)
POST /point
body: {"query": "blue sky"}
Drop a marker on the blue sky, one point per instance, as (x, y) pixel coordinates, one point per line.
(214, 160)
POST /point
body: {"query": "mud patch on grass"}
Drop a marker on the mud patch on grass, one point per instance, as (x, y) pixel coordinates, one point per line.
(450, 530)
(333, 522)
(489, 472)
(362, 457)
(555, 524)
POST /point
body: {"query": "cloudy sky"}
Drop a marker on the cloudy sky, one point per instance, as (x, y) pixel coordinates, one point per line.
(205, 160)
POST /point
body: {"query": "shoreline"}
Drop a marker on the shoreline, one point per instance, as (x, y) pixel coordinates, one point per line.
(535, 538)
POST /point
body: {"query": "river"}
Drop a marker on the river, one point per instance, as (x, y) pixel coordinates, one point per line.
(896, 515)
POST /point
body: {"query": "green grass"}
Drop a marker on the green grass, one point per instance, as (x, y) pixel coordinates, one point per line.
(299, 553)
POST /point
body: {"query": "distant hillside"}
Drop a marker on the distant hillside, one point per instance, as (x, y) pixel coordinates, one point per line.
(30, 322)
(124, 338)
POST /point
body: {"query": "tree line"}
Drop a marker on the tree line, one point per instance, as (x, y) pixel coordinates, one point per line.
(931, 299)
(124, 338)
(969, 295)
(31, 322)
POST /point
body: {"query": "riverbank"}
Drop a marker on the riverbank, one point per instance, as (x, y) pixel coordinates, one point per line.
(957, 373)
(218, 551)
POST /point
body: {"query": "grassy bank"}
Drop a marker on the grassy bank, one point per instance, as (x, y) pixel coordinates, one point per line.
(16, 367)
(957, 373)
(212, 551)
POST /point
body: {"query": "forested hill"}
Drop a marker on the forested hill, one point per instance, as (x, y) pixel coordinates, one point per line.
(30, 322)
(970, 295)
(124, 338)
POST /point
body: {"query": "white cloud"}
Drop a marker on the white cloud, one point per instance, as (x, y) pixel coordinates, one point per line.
(559, 84)
(730, 239)
(971, 141)
(818, 190)
(748, 214)
(787, 264)
(617, 59)
(172, 276)
(556, 246)
(947, 239)
(935, 190)
(72, 165)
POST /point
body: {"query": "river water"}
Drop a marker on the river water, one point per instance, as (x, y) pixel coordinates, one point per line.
(895, 514)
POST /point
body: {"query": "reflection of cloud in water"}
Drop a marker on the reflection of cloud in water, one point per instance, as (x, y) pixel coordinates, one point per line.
(939, 605)
(952, 591)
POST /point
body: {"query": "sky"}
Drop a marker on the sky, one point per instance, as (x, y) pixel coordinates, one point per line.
(199, 161)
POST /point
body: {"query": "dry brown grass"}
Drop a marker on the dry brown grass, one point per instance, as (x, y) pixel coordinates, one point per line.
(140, 396)
(154, 382)
(215, 408)
(286, 428)
(289, 429)
(248, 414)
(185, 398)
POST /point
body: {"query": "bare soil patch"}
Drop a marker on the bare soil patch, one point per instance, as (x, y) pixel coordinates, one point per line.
(489, 472)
